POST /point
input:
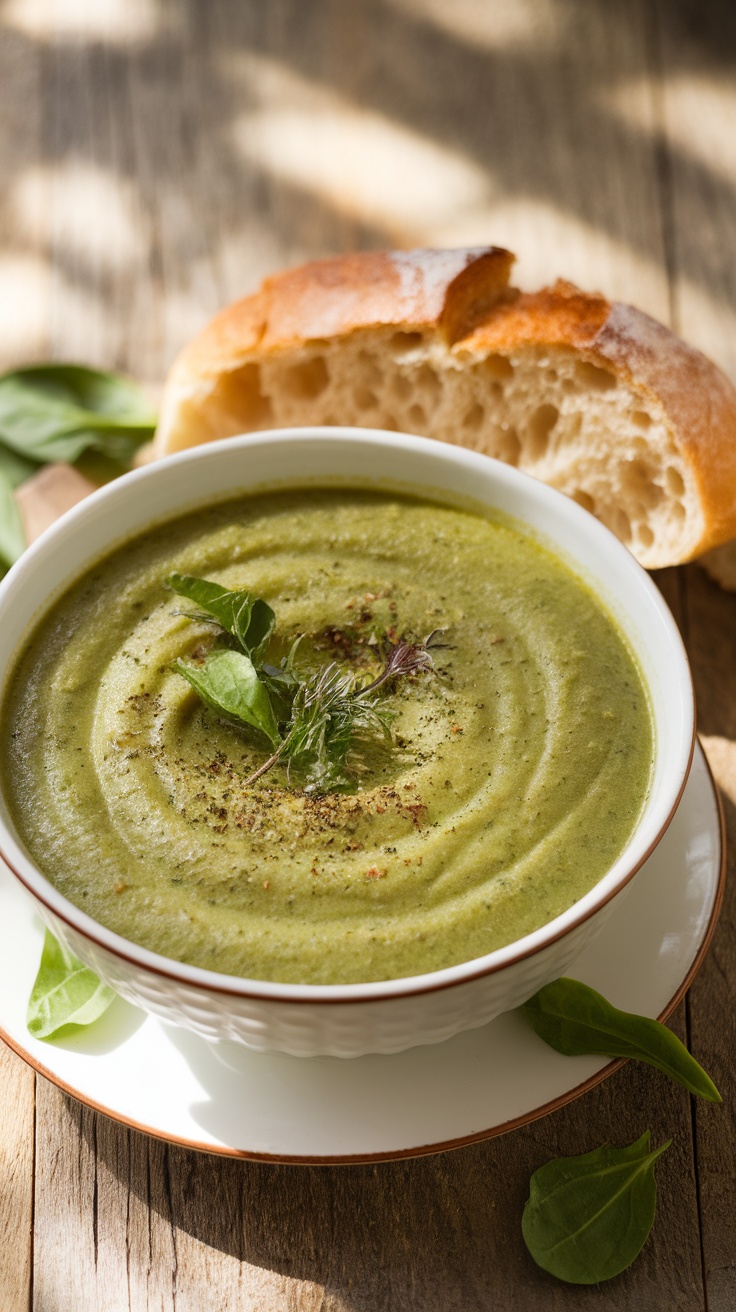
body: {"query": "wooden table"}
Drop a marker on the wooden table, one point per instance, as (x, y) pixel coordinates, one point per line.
(158, 157)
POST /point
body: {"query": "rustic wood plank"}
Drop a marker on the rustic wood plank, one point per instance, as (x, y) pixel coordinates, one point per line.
(160, 1226)
(712, 625)
(97, 1247)
(24, 199)
(17, 1111)
(176, 145)
(124, 1222)
(697, 60)
(698, 108)
(66, 1232)
(171, 141)
(24, 301)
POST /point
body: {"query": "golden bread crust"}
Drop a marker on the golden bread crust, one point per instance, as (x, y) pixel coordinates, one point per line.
(461, 304)
(332, 298)
(561, 315)
(699, 402)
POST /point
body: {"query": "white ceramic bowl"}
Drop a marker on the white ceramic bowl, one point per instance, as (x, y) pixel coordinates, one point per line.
(349, 1020)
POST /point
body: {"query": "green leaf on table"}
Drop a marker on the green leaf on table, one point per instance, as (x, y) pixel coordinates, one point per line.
(588, 1217)
(246, 618)
(12, 533)
(66, 992)
(227, 682)
(57, 411)
(577, 1021)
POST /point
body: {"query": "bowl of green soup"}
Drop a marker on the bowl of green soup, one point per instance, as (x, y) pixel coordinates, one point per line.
(332, 741)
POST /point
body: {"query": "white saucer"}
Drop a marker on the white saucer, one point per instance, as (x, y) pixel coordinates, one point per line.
(226, 1099)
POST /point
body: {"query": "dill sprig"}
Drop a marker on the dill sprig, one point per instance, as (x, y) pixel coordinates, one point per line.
(315, 721)
(329, 717)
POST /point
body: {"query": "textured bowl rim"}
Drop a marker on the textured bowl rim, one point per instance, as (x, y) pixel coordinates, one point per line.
(383, 990)
(445, 1145)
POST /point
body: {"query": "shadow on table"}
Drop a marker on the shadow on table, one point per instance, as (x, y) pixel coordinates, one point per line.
(435, 1234)
(206, 101)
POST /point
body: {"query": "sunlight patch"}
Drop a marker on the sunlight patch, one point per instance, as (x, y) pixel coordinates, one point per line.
(103, 20)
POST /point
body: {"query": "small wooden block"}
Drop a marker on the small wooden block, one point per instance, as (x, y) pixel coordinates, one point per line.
(45, 496)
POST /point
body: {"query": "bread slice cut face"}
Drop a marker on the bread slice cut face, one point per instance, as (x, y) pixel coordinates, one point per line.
(594, 398)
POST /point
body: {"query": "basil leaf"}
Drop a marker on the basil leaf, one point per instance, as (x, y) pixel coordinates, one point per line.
(588, 1217)
(577, 1021)
(260, 627)
(246, 618)
(12, 533)
(56, 411)
(228, 683)
(66, 992)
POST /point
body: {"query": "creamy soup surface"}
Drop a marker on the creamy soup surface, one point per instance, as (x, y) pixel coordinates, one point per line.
(516, 772)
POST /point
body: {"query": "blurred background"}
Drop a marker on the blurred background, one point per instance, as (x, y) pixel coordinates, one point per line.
(159, 157)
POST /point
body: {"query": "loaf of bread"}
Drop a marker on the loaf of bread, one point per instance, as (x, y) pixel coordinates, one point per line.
(594, 398)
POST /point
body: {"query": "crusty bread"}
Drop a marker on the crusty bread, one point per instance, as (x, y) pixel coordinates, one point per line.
(595, 398)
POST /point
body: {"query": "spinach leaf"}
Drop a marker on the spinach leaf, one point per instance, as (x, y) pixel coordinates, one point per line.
(246, 618)
(227, 682)
(575, 1020)
(588, 1217)
(65, 992)
(56, 411)
(12, 533)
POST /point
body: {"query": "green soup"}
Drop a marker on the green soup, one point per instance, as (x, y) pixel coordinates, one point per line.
(516, 774)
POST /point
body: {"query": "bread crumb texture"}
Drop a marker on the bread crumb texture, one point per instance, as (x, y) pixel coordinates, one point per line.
(595, 399)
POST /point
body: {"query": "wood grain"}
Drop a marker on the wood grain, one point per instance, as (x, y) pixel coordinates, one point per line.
(17, 1111)
(711, 623)
(696, 64)
(157, 158)
(131, 1219)
(697, 61)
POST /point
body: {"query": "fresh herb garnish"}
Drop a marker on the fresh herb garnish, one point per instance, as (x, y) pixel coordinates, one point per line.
(313, 719)
(247, 619)
(65, 992)
(227, 682)
(330, 713)
(402, 658)
(577, 1021)
(588, 1217)
(62, 412)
